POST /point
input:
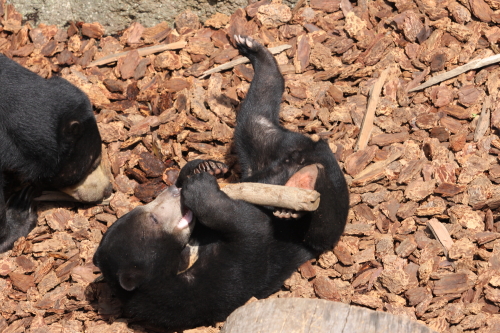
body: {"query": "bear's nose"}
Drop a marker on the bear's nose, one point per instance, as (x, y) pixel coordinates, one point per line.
(174, 190)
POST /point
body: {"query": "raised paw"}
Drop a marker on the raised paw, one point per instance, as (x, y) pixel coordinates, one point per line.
(247, 45)
(244, 41)
(214, 168)
(283, 213)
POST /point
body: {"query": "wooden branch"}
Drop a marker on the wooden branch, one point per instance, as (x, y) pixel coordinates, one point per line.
(474, 64)
(294, 198)
(367, 125)
(256, 193)
(242, 60)
(441, 234)
(142, 52)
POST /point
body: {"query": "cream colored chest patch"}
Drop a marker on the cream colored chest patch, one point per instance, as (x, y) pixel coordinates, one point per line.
(188, 256)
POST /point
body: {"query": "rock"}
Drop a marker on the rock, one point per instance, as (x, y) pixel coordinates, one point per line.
(117, 15)
(187, 19)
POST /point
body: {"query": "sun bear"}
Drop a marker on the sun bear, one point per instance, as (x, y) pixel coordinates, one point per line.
(193, 255)
(48, 139)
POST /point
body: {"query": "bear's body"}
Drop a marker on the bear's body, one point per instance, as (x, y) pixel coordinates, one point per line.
(48, 137)
(241, 250)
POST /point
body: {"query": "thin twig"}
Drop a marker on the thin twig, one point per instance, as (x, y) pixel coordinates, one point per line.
(242, 60)
(483, 122)
(367, 125)
(142, 52)
(474, 64)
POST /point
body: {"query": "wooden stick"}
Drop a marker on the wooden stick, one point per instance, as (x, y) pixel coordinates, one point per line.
(294, 198)
(474, 64)
(367, 125)
(242, 60)
(256, 193)
(142, 52)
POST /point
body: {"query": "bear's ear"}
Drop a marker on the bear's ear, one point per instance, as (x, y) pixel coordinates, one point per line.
(130, 278)
(305, 178)
(72, 129)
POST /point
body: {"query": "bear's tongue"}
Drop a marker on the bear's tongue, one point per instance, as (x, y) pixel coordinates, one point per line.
(185, 220)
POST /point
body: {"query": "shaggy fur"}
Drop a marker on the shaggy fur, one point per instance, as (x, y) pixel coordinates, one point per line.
(242, 250)
(48, 136)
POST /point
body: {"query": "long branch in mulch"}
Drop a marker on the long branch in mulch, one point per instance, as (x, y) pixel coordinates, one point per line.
(474, 64)
(367, 125)
(144, 51)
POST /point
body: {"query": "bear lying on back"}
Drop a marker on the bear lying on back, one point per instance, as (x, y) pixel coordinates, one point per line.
(239, 250)
(49, 138)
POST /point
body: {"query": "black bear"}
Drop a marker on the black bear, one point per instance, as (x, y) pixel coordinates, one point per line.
(193, 255)
(48, 138)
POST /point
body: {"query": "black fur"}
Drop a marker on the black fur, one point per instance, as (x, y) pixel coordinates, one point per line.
(48, 136)
(244, 250)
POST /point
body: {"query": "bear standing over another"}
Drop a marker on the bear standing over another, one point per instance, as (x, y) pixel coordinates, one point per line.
(49, 138)
(193, 255)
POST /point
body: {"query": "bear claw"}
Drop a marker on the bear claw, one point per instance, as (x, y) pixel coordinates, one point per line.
(247, 42)
(212, 167)
(287, 213)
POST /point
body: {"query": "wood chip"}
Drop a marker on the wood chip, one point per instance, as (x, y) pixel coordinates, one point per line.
(441, 233)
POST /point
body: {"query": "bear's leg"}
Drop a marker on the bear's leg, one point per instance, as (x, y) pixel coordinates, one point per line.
(17, 217)
(258, 135)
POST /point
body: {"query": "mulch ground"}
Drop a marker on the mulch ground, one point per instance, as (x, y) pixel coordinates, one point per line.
(422, 239)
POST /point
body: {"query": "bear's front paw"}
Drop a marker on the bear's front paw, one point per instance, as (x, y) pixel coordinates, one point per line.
(215, 168)
(21, 217)
(21, 212)
(198, 189)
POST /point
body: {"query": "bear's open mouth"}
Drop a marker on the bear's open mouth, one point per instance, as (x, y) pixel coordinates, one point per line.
(186, 219)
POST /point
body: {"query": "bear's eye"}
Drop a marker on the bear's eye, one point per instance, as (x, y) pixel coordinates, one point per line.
(153, 218)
